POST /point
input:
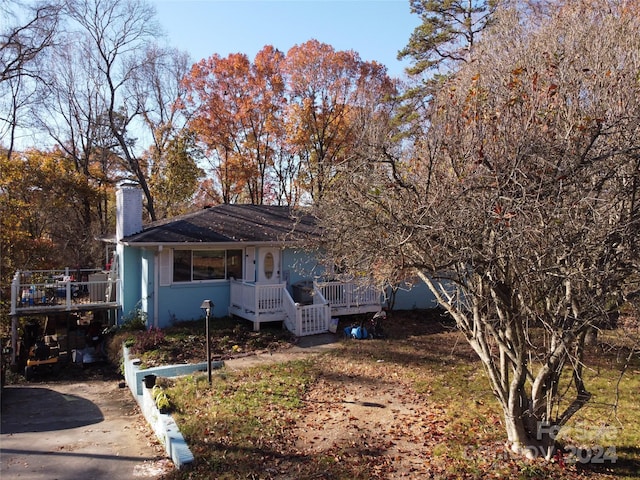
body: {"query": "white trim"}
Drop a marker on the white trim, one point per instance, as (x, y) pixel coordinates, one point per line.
(249, 264)
(214, 245)
(156, 286)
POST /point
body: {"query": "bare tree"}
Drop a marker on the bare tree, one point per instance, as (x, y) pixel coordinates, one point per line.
(107, 86)
(74, 115)
(520, 208)
(117, 32)
(22, 41)
(26, 33)
(158, 85)
(171, 158)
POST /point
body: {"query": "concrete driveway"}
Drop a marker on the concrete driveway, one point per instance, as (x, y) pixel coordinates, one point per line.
(76, 430)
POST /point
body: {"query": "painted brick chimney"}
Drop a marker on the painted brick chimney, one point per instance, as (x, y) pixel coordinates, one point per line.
(128, 211)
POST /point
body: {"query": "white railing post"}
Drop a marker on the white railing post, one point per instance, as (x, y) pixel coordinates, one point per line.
(299, 330)
(14, 340)
(68, 293)
(248, 297)
(233, 292)
(15, 286)
(256, 299)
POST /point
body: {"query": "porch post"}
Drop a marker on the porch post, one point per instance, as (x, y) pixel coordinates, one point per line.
(68, 289)
(256, 302)
(14, 340)
(15, 286)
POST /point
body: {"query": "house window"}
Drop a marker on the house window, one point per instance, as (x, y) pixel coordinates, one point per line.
(182, 266)
(199, 265)
(234, 264)
(208, 265)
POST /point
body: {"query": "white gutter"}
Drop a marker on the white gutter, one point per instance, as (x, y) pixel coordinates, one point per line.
(202, 245)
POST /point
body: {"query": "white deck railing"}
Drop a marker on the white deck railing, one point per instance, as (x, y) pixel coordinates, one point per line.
(255, 300)
(45, 290)
(266, 303)
(348, 295)
(311, 319)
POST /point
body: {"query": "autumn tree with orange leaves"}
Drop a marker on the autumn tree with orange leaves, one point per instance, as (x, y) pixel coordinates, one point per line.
(275, 129)
(237, 115)
(42, 206)
(327, 91)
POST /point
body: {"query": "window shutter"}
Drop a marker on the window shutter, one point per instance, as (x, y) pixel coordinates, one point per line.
(166, 267)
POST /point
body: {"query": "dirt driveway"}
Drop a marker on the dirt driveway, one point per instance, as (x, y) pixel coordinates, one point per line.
(76, 430)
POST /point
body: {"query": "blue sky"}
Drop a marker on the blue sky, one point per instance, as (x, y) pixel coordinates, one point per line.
(376, 29)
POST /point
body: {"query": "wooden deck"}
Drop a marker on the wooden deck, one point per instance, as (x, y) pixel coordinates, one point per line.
(348, 298)
(268, 303)
(52, 291)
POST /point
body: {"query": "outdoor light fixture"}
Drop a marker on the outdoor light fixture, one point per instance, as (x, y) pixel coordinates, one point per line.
(207, 306)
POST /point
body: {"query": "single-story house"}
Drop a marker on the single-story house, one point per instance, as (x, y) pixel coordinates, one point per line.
(251, 261)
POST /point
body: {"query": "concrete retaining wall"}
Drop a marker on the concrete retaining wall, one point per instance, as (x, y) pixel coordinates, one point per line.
(166, 430)
(163, 425)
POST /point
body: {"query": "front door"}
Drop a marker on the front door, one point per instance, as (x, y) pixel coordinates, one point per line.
(269, 266)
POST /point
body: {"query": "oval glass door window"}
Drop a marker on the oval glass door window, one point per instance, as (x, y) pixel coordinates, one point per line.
(268, 265)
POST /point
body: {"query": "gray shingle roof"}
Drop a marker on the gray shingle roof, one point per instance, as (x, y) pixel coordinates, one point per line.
(231, 223)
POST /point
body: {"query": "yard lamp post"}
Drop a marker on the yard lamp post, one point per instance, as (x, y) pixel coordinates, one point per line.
(206, 307)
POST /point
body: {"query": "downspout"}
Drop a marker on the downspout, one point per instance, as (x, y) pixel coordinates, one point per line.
(156, 279)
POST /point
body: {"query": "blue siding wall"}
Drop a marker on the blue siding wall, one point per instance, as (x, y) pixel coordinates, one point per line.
(417, 296)
(182, 302)
(130, 278)
(299, 265)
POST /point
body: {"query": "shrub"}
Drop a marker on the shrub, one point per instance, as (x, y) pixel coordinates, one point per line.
(161, 399)
(148, 340)
(134, 320)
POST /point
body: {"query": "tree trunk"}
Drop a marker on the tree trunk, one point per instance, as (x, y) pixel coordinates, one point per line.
(530, 443)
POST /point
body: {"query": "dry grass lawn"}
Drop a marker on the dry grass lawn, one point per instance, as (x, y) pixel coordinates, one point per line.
(415, 405)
